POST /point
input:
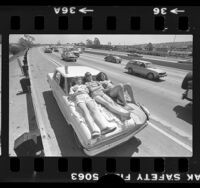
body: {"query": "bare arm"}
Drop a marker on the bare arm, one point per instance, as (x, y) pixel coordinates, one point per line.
(92, 88)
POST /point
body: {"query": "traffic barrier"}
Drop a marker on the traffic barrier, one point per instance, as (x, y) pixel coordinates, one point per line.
(28, 144)
(20, 65)
(39, 119)
(25, 84)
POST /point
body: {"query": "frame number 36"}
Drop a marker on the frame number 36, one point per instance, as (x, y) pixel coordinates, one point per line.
(162, 11)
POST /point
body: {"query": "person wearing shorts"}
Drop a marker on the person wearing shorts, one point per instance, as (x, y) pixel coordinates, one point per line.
(116, 91)
(79, 93)
(100, 97)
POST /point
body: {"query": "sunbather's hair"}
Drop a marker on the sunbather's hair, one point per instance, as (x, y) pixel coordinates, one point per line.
(98, 77)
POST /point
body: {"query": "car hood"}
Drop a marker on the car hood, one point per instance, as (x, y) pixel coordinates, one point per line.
(116, 57)
(156, 70)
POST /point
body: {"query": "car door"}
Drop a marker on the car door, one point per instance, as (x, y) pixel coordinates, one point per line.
(61, 97)
(142, 69)
(135, 67)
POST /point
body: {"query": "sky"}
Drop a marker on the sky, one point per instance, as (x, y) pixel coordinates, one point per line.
(104, 39)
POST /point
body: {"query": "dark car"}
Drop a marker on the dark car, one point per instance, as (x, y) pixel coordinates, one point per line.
(76, 53)
(69, 56)
(134, 55)
(47, 50)
(187, 86)
(113, 59)
(55, 50)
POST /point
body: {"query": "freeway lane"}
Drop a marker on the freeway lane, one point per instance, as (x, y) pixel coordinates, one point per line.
(149, 142)
(148, 57)
(162, 98)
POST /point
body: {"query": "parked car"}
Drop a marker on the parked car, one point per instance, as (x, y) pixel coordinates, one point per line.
(47, 50)
(134, 55)
(187, 86)
(68, 56)
(144, 68)
(113, 59)
(60, 82)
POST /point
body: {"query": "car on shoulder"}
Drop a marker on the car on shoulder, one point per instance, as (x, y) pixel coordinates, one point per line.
(60, 82)
(47, 50)
(113, 59)
(187, 86)
(144, 68)
(134, 55)
(68, 56)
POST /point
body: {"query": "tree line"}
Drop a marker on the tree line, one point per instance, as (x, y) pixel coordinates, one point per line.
(25, 42)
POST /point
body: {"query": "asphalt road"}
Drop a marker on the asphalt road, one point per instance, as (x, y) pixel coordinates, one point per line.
(170, 129)
(153, 57)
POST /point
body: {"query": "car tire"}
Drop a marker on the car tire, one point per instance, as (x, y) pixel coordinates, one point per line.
(150, 76)
(130, 70)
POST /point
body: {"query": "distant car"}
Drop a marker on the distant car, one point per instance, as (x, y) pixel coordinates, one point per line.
(60, 82)
(134, 55)
(76, 53)
(55, 50)
(187, 61)
(144, 68)
(47, 50)
(187, 86)
(69, 56)
(113, 59)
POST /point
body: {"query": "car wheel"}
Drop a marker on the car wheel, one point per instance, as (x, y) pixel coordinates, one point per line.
(150, 76)
(130, 70)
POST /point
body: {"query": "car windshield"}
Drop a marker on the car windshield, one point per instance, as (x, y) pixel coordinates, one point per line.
(149, 65)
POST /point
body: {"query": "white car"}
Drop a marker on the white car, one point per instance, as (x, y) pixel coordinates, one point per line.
(60, 82)
(144, 68)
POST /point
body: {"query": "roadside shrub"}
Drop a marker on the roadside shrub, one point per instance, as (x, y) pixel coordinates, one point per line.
(15, 49)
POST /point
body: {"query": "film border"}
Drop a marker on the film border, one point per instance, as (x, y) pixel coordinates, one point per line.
(26, 25)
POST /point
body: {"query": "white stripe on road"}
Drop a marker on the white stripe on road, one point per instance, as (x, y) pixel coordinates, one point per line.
(152, 125)
(171, 137)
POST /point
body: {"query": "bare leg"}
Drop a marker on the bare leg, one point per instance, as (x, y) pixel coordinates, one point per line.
(99, 119)
(111, 107)
(91, 125)
(118, 91)
(128, 88)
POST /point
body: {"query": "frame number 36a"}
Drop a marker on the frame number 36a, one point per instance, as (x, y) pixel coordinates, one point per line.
(162, 11)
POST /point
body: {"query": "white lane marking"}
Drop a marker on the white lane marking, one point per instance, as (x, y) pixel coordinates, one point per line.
(173, 129)
(171, 137)
(154, 126)
(50, 59)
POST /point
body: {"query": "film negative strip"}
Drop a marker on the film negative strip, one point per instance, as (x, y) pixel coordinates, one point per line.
(100, 93)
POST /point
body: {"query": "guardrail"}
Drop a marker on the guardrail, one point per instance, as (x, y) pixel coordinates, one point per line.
(183, 66)
(38, 114)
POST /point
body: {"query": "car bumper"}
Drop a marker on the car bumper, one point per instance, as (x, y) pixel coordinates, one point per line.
(162, 75)
(121, 139)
